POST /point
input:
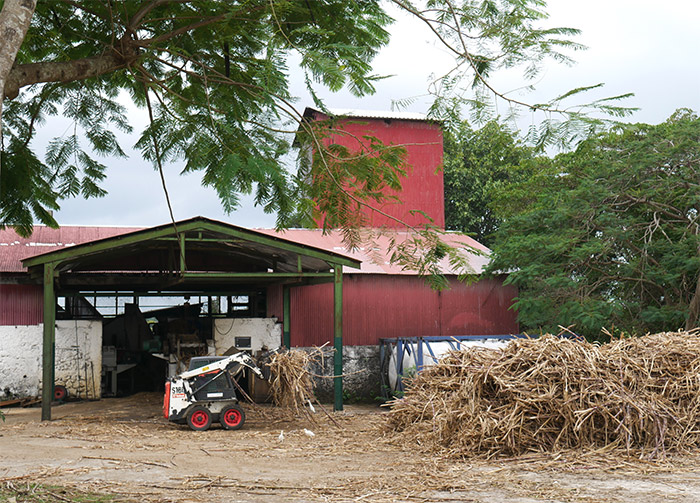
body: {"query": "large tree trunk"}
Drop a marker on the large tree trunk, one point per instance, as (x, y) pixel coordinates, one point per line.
(15, 17)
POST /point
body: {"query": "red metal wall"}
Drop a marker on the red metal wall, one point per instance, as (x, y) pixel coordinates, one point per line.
(423, 188)
(378, 306)
(274, 302)
(21, 304)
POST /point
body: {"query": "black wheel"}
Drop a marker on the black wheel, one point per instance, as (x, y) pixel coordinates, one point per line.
(60, 393)
(232, 417)
(199, 418)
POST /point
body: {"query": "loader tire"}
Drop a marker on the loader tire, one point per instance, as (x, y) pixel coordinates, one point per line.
(60, 393)
(232, 417)
(199, 418)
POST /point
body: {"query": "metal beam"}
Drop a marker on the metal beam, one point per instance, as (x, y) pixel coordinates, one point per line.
(338, 337)
(204, 240)
(164, 293)
(286, 302)
(256, 275)
(99, 246)
(49, 343)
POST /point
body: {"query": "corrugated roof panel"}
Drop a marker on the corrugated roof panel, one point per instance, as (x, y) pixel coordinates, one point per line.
(14, 248)
(375, 260)
(377, 114)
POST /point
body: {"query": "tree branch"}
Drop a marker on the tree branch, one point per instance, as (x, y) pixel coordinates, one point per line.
(135, 21)
(69, 71)
(184, 29)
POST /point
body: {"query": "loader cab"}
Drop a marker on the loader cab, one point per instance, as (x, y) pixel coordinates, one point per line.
(221, 388)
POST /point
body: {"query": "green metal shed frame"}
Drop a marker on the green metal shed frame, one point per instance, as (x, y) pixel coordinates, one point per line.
(156, 259)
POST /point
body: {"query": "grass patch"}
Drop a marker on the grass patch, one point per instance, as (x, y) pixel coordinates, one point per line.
(26, 492)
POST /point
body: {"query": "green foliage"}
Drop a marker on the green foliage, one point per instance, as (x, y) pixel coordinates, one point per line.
(607, 235)
(477, 165)
(215, 72)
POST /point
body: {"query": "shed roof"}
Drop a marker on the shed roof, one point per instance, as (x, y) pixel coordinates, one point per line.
(218, 246)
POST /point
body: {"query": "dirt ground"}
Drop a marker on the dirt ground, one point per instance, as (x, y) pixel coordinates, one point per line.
(125, 447)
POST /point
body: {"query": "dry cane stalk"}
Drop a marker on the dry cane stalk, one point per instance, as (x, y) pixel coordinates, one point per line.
(549, 394)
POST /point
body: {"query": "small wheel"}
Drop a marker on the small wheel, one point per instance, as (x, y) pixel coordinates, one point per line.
(199, 418)
(232, 417)
(60, 393)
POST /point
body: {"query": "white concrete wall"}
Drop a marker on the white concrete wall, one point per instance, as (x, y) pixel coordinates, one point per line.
(20, 360)
(78, 354)
(79, 357)
(262, 331)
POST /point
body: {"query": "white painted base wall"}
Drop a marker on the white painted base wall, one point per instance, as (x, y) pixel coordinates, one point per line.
(78, 358)
(262, 331)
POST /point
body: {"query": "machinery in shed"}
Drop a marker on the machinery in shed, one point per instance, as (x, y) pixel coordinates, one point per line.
(207, 392)
(142, 348)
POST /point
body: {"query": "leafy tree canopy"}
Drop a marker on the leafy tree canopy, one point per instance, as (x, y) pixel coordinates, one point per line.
(477, 165)
(607, 236)
(217, 85)
(214, 79)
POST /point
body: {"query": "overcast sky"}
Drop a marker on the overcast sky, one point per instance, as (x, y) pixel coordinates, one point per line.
(646, 47)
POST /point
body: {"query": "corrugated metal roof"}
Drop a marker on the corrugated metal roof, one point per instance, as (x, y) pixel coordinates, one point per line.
(372, 114)
(14, 248)
(375, 260)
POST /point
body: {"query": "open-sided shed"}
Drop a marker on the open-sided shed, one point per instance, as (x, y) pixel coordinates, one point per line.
(197, 254)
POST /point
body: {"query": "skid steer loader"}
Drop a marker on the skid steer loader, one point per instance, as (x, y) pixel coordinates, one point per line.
(206, 394)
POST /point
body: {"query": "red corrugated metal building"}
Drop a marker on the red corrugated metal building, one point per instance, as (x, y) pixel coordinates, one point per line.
(376, 307)
(383, 301)
(380, 300)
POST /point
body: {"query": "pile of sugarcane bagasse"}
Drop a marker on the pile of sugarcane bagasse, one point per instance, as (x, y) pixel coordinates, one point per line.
(639, 395)
(292, 384)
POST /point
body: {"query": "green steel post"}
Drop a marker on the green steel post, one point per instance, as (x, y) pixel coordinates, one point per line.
(49, 343)
(183, 267)
(338, 337)
(286, 337)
